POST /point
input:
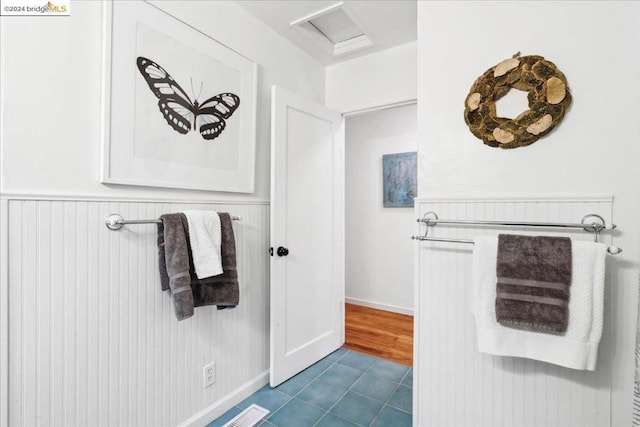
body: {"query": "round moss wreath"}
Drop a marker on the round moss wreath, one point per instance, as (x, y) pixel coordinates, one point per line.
(548, 98)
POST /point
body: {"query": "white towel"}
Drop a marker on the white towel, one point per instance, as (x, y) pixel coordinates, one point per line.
(578, 347)
(205, 237)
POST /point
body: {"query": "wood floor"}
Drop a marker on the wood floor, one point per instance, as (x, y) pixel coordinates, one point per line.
(379, 333)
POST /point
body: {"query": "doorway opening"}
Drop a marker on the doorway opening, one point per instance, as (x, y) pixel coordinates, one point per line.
(378, 252)
(307, 284)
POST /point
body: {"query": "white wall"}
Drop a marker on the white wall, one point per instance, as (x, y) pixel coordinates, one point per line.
(379, 254)
(457, 385)
(381, 78)
(50, 154)
(595, 150)
(94, 342)
(51, 117)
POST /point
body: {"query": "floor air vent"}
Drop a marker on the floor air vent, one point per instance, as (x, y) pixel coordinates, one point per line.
(249, 417)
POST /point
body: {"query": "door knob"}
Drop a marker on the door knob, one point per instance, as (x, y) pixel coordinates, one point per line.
(282, 251)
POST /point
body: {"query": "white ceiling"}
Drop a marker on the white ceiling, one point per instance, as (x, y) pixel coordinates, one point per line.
(388, 23)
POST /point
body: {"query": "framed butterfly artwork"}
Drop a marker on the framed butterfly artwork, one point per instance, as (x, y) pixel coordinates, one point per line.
(179, 107)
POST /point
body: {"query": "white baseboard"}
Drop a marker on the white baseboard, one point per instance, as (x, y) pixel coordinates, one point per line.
(213, 411)
(379, 306)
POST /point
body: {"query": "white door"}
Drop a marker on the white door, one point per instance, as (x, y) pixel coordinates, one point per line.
(307, 233)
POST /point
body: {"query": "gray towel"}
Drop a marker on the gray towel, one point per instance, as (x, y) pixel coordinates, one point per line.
(176, 260)
(221, 290)
(162, 260)
(534, 276)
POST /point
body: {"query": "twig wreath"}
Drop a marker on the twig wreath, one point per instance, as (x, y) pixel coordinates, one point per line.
(548, 97)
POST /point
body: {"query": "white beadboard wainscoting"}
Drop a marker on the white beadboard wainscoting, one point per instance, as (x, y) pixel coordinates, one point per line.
(458, 386)
(91, 338)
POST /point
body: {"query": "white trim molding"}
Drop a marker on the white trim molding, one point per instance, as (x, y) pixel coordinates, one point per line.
(215, 410)
(378, 107)
(511, 198)
(379, 306)
(83, 197)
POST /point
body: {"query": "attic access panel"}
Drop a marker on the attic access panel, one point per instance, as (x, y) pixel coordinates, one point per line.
(335, 29)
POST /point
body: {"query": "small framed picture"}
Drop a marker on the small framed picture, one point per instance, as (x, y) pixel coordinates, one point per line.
(399, 179)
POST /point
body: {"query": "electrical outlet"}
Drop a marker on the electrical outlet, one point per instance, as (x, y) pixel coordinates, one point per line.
(209, 374)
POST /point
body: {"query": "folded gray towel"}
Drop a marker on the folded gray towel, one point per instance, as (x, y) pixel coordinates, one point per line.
(176, 253)
(176, 267)
(221, 290)
(534, 276)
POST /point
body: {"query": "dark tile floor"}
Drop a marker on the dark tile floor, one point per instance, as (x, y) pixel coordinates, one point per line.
(346, 388)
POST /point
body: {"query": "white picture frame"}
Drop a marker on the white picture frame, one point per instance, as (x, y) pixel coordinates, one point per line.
(139, 144)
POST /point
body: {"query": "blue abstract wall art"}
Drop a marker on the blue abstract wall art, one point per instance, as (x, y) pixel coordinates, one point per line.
(399, 179)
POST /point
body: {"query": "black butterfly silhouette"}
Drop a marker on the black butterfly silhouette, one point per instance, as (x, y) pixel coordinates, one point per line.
(178, 109)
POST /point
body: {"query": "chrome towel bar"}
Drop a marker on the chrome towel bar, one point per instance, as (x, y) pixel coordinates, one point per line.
(116, 221)
(592, 223)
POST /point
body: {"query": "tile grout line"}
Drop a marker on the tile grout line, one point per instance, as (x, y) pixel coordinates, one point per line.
(389, 398)
(404, 385)
(395, 407)
(365, 371)
(303, 388)
(341, 396)
(384, 404)
(348, 389)
(328, 411)
(405, 375)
